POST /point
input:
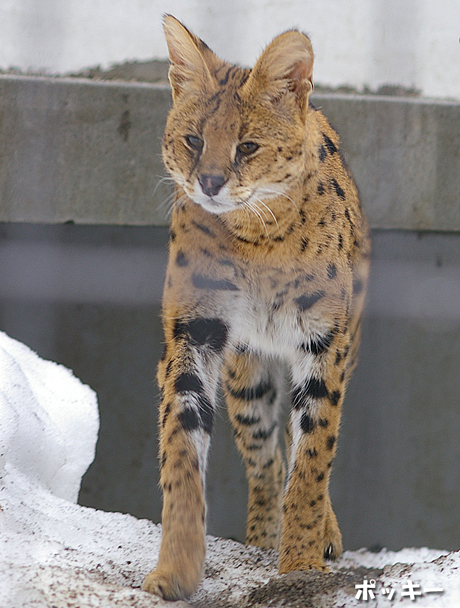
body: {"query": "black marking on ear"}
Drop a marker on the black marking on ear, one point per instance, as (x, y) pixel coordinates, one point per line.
(223, 81)
(305, 302)
(200, 281)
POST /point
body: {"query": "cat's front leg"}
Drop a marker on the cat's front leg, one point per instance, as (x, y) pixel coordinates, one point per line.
(188, 378)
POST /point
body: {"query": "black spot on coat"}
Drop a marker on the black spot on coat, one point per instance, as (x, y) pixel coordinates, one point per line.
(200, 281)
(331, 147)
(307, 424)
(189, 419)
(340, 193)
(304, 302)
(181, 259)
(188, 382)
(212, 332)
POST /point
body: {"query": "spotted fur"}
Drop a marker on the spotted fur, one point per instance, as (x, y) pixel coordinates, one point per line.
(266, 279)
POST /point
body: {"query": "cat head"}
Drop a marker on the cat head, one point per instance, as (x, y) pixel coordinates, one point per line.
(236, 137)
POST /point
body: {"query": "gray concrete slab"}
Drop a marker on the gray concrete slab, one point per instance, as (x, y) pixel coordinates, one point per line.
(89, 152)
(81, 151)
(405, 155)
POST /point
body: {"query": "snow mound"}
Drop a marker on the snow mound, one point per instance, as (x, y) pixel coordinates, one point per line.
(54, 552)
(50, 420)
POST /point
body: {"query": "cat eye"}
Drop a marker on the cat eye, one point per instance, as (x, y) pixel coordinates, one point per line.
(247, 148)
(194, 142)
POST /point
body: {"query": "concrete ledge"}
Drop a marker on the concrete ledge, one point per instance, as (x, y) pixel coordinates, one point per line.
(82, 151)
(89, 152)
(405, 155)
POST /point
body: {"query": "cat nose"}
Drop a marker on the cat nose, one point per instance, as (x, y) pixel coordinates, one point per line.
(211, 184)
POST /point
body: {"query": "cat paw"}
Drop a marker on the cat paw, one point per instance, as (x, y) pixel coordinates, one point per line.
(332, 538)
(168, 585)
(301, 562)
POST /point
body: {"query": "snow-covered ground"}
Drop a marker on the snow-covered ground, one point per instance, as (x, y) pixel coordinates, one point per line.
(54, 552)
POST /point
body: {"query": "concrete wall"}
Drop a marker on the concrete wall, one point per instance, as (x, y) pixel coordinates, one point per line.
(89, 152)
(359, 43)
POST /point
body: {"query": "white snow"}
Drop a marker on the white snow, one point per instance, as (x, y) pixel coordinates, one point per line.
(54, 552)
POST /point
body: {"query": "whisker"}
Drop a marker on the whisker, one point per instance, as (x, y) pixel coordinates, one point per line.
(166, 202)
(277, 193)
(170, 202)
(256, 211)
(268, 209)
(254, 203)
(162, 180)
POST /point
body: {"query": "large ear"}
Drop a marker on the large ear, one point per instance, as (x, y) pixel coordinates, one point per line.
(190, 57)
(285, 66)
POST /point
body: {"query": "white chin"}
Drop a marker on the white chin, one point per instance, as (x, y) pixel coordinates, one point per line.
(213, 206)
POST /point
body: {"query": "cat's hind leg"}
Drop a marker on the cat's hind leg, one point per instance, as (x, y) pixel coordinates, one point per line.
(252, 387)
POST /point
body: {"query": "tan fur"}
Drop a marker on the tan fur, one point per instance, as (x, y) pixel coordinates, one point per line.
(267, 272)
